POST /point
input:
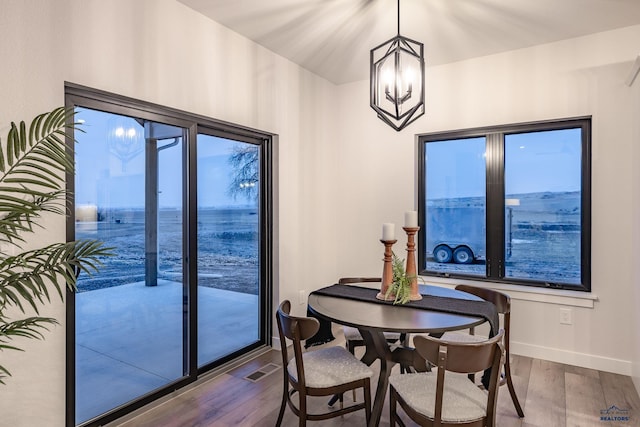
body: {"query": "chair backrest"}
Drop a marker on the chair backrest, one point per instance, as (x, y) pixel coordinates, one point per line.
(345, 280)
(296, 329)
(500, 300)
(463, 357)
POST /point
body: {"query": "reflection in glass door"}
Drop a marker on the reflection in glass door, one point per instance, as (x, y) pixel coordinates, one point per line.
(130, 318)
(228, 246)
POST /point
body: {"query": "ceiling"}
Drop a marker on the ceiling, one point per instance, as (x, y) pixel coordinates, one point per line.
(332, 38)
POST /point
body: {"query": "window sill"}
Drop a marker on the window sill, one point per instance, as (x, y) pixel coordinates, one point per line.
(524, 293)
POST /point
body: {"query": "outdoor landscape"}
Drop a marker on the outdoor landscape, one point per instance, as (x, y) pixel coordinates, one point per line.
(227, 248)
(544, 235)
(545, 232)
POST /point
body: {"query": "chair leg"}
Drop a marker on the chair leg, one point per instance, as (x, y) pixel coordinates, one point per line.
(512, 390)
(352, 349)
(367, 401)
(333, 400)
(392, 407)
(404, 341)
(282, 406)
(302, 408)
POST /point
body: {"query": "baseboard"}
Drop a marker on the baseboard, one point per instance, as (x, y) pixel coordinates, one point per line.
(636, 383)
(275, 343)
(584, 360)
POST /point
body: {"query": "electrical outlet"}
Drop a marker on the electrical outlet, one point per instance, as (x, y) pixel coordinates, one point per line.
(302, 297)
(565, 316)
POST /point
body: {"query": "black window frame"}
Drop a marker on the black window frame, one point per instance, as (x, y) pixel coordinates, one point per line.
(495, 199)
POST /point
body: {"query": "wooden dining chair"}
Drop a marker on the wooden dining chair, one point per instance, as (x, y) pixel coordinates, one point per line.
(352, 336)
(445, 396)
(503, 305)
(323, 372)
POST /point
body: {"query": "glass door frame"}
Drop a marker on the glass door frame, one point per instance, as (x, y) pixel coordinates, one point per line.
(81, 96)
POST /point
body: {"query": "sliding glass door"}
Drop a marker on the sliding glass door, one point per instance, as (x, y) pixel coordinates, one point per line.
(183, 207)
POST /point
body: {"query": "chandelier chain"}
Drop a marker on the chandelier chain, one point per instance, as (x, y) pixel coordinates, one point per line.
(398, 17)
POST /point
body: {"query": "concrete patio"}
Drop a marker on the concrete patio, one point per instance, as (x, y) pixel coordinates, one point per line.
(129, 339)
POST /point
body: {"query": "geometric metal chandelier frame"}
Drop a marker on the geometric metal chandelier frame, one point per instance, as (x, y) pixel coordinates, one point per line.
(397, 80)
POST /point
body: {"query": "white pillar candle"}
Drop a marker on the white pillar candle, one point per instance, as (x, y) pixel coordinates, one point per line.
(411, 219)
(388, 231)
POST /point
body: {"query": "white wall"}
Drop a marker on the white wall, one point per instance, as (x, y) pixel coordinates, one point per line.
(577, 77)
(342, 172)
(163, 52)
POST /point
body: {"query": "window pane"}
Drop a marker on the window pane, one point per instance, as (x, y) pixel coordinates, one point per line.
(129, 315)
(228, 246)
(455, 206)
(542, 206)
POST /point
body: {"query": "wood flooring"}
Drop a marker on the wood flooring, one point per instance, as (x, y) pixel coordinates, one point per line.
(551, 394)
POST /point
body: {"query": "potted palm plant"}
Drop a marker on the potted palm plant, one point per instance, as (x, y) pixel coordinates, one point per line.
(33, 162)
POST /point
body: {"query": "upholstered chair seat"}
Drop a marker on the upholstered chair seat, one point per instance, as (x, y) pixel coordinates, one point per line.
(462, 337)
(329, 367)
(462, 401)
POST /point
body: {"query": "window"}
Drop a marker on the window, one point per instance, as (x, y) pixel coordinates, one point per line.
(508, 204)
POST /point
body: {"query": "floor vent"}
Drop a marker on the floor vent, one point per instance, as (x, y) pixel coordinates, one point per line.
(262, 372)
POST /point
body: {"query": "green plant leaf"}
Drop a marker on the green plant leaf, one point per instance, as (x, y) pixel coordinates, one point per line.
(31, 327)
(400, 287)
(34, 163)
(2, 166)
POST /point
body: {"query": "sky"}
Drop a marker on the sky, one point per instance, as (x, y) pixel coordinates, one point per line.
(534, 162)
(110, 164)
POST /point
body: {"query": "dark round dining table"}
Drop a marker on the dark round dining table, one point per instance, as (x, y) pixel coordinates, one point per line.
(372, 319)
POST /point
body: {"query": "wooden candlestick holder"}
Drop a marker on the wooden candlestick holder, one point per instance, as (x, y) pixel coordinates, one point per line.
(411, 262)
(387, 271)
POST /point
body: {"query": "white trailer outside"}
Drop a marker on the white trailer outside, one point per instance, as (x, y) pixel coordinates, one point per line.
(456, 234)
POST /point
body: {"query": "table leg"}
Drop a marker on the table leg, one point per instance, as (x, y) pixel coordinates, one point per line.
(378, 348)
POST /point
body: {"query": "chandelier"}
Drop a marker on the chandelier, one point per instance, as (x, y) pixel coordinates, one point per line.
(125, 139)
(397, 80)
